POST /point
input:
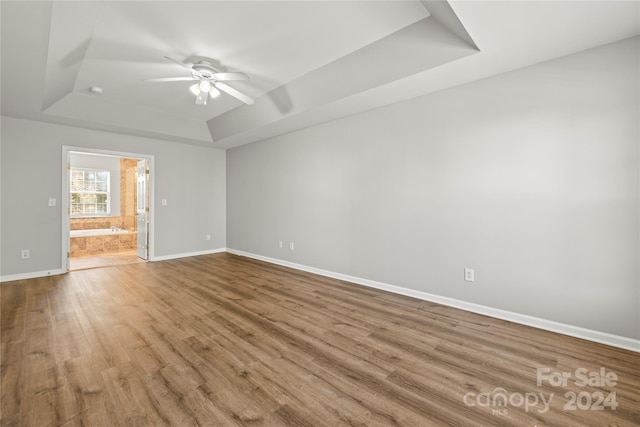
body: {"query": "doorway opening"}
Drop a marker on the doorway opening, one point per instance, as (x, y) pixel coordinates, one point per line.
(107, 219)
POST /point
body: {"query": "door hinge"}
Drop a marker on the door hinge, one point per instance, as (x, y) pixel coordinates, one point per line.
(146, 209)
(68, 255)
(68, 166)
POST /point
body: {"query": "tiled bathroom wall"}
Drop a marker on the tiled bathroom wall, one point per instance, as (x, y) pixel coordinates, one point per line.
(128, 191)
(95, 223)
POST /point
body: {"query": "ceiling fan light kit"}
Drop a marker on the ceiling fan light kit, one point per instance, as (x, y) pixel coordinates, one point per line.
(209, 82)
(195, 89)
(202, 91)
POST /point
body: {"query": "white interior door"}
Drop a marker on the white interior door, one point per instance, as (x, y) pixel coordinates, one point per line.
(142, 209)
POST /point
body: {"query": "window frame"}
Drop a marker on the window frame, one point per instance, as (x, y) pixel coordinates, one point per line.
(89, 192)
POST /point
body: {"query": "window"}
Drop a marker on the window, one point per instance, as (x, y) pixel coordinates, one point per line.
(89, 192)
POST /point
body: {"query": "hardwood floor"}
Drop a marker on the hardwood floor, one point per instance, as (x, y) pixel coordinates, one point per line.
(221, 340)
(108, 259)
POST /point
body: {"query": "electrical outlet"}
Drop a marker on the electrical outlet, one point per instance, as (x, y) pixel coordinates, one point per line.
(290, 246)
(280, 244)
(52, 201)
(469, 274)
(208, 236)
(164, 202)
(25, 254)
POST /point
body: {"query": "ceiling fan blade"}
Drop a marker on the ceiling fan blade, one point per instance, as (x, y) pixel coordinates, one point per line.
(230, 76)
(233, 92)
(172, 79)
(201, 98)
(178, 63)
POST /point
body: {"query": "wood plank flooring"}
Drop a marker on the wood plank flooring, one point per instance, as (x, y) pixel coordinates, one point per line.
(107, 259)
(221, 340)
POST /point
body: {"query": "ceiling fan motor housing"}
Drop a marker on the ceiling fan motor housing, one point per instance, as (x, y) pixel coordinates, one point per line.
(205, 69)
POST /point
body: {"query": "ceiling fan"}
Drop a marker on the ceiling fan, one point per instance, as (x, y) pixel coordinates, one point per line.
(208, 80)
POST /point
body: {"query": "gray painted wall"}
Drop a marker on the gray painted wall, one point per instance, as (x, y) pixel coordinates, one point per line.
(191, 178)
(529, 177)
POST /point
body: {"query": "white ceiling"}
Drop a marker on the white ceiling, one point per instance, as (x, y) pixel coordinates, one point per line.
(308, 61)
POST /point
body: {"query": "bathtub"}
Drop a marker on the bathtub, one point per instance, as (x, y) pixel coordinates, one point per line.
(96, 232)
(101, 240)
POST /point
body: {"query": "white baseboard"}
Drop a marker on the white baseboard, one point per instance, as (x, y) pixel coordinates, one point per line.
(536, 322)
(35, 274)
(188, 254)
(31, 275)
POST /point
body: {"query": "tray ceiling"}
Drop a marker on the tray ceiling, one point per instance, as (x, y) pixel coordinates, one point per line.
(308, 61)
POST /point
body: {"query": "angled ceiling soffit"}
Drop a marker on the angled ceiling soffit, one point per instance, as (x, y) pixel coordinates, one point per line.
(69, 37)
(86, 107)
(433, 41)
(442, 12)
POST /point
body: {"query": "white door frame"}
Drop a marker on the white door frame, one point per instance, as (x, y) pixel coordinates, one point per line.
(142, 208)
(66, 217)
